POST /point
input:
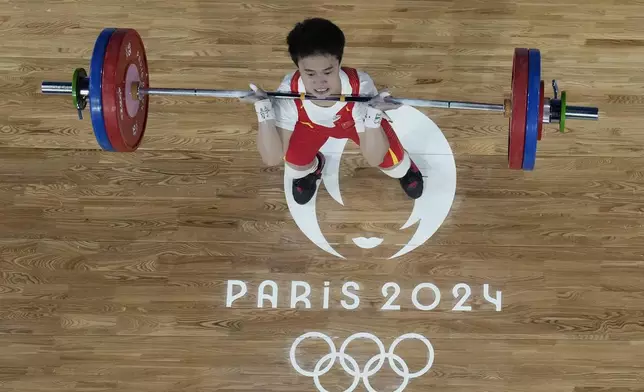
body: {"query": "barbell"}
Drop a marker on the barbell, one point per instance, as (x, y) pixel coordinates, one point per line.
(117, 90)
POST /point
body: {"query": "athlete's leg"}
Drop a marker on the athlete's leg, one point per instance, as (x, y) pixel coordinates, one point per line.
(304, 163)
(398, 164)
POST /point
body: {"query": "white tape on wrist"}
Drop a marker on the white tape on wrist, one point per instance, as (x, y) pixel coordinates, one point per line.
(264, 110)
(373, 118)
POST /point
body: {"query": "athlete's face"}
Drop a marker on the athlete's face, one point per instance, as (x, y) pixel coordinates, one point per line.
(320, 75)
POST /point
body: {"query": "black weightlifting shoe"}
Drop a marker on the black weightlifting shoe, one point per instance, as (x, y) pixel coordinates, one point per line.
(304, 188)
(412, 182)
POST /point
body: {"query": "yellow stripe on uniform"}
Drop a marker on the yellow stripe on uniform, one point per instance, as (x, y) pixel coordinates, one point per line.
(394, 158)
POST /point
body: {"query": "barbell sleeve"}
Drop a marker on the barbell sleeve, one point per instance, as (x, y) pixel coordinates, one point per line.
(57, 88)
(582, 113)
(573, 112)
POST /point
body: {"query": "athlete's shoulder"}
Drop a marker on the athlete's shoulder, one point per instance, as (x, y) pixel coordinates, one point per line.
(286, 113)
(364, 75)
(367, 85)
(285, 84)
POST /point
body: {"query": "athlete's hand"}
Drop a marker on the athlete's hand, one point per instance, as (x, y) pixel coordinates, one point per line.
(255, 96)
(383, 101)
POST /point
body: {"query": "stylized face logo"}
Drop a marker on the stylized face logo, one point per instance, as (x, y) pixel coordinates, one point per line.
(427, 147)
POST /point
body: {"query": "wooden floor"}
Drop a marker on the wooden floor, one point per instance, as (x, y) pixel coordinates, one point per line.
(117, 271)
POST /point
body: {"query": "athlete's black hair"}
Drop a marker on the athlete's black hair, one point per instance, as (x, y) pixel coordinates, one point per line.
(315, 36)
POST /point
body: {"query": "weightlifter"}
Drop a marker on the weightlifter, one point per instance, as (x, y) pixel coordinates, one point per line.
(295, 130)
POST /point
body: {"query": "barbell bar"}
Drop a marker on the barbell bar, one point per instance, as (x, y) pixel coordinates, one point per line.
(65, 88)
(117, 90)
(572, 112)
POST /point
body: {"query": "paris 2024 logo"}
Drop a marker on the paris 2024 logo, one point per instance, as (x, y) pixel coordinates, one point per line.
(427, 146)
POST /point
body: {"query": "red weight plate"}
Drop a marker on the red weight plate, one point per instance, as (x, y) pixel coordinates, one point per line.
(516, 141)
(125, 63)
(540, 123)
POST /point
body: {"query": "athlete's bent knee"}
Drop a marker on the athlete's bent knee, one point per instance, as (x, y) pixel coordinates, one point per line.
(272, 160)
(295, 171)
(374, 160)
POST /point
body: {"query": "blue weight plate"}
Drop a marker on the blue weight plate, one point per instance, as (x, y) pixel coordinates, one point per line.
(95, 89)
(532, 117)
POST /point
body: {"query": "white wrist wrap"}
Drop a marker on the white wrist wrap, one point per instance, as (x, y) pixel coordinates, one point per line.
(373, 118)
(264, 110)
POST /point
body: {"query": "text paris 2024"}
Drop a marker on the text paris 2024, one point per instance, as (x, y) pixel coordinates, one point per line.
(423, 296)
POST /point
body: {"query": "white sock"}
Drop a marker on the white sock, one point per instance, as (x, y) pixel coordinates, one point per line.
(400, 169)
(295, 174)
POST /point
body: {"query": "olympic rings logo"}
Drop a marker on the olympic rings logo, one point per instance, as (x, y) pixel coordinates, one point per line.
(372, 366)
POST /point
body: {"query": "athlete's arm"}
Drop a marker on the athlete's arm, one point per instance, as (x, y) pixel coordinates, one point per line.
(373, 140)
(275, 126)
(270, 142)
